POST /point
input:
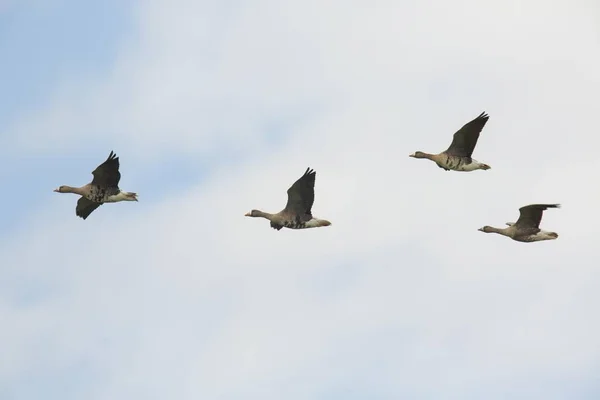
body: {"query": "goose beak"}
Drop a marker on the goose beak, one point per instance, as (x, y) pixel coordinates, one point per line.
(247, 215)
(480, 229)
(56, 190)
(412, 155)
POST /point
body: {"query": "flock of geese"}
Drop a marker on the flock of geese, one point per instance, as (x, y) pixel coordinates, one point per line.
(297, 213)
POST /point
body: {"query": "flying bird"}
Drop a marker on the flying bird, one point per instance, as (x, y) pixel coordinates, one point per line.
(104, 188)
(297, 213)
(527, 228)
(458, 156)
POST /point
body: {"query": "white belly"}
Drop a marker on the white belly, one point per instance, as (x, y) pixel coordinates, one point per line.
(544, 235)
(469, 167)
(316, 223)
(115, 198)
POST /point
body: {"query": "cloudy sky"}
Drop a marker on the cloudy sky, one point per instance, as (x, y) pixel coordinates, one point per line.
(216, 108)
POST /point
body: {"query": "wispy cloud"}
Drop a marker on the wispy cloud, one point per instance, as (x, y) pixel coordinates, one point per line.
(215, 109)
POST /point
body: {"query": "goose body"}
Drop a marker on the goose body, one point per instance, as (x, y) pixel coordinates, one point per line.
(455, 163)
(458, 156)
(526, 229)
(297, 213)
(104, 188)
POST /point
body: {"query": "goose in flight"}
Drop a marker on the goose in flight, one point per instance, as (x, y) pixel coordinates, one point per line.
(527, 228)
(458, 156)
(297, 213)
(104, 188)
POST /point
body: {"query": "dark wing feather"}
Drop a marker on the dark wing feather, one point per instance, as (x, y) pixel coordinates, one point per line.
(85, 207)
(465, 139)
(301, 195)
(107, 174)
(531, 215)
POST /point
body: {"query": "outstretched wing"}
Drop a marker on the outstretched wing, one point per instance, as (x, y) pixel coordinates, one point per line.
(465, 139)
(301, 195)
(531, 215)
(85, 207)
(107, 174)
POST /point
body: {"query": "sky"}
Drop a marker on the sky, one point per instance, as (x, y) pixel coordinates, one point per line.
(216, 108)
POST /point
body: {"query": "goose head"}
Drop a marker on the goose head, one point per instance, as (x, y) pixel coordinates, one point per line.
(64, 189)
(418, 154)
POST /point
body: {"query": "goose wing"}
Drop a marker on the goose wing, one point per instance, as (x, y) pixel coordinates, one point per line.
(85, 207)
(531, 215)
(301, 195)
(107, 174)
(465, 139)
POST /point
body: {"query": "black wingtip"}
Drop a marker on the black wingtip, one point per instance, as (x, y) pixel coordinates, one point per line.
(483, 115)
(111, 156)
(541, 206)
(309, 171)
(546, 206)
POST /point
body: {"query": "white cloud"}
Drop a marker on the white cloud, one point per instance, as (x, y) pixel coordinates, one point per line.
(186, 298)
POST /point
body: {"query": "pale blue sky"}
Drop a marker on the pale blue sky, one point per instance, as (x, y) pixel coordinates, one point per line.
(215, 108)
(44, 44)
